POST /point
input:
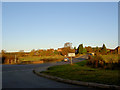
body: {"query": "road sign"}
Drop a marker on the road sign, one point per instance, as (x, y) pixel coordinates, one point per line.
(71, 54)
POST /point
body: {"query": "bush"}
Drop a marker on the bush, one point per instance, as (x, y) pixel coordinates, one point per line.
(99, 62)
(96, 61)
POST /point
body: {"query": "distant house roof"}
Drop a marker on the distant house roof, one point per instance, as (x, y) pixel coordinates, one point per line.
(59, 49)
(118, 49)
(50, 49)
(114, 50)
(110, 49)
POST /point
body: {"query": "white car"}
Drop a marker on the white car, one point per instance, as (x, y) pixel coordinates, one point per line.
(66, 59)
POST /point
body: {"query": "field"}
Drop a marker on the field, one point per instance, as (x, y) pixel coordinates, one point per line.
(81, 72)
(44, 58)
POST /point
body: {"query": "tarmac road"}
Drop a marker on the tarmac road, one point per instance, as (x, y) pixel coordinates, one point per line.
(22, 76)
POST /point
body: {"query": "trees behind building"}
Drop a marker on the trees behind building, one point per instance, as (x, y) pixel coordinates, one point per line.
(67, 49)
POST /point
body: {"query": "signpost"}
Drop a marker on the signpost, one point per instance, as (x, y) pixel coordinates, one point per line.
(71, 55)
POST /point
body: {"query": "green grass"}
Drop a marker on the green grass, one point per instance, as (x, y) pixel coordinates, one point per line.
(81, 72)
(38, 58)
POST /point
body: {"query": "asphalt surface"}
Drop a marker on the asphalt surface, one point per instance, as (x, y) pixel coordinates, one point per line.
(22, 76)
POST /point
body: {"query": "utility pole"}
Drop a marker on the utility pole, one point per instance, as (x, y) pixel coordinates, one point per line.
(15, 58)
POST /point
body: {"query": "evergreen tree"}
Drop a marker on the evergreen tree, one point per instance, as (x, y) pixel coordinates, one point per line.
(84, 50)
(80, 49)
(104, 50)
(75, 48)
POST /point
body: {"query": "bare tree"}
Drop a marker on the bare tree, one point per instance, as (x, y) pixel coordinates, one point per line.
(68, 44)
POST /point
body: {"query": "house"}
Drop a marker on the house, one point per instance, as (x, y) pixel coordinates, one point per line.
(114, 51)
(59, 49)
(50, 50)
(118, 49)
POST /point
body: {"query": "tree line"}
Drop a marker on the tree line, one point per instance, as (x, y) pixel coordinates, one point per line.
(89, 49)
(51, 52)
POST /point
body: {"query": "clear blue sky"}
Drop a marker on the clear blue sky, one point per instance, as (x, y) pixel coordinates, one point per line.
(38, 25)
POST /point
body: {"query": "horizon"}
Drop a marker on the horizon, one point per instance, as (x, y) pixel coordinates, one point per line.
(45, 25)
(57, 48)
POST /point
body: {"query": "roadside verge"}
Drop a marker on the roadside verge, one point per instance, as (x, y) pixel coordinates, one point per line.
(89, 84)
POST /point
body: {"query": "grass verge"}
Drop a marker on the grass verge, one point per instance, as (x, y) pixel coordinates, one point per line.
(81, 72)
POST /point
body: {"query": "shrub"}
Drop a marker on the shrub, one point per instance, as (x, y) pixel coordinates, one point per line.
(99, 62)
(96, 61)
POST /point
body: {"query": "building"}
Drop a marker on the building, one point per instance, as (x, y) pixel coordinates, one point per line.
(118, 50)
(50, 50)
(114, 51)
(59, 50)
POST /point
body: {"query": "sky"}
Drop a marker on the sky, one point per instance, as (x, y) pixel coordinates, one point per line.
(43, 25)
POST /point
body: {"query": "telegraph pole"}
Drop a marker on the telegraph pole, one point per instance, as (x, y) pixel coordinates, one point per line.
(15, 58)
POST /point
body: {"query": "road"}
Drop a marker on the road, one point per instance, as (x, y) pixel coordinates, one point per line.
(21, 76)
